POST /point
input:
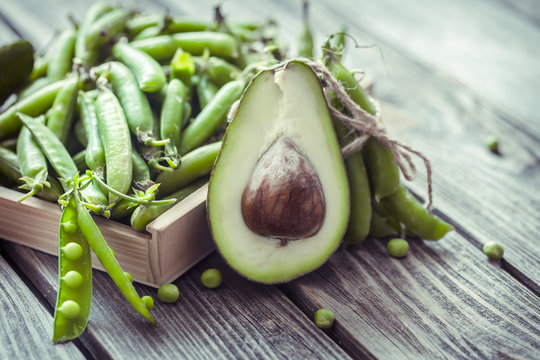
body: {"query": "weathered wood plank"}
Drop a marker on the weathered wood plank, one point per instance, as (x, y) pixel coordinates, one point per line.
(441, 301)
(464, 39)
(25, 324)
(238, 320)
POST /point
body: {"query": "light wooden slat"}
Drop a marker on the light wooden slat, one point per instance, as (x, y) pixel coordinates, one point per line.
(25, 325)
(238, 320)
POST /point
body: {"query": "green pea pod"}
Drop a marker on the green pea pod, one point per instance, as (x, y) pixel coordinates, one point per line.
(218, 71)
(159, 47)
(195, 164)
(181, 25)
(379, 159)
(60, 55)
(148, 71)
(78, 130)
(9, 168)
(141, 172)
(116, 139)
(172, 116)
(95, 239)
(416, 218)
(139, 22)
(106, 28)
(95, 154)
(380, 226)
(360, 193)
(196, 43)
(16, 62)
(206, 90)
(80, 161)
(33, 87)
(143, 215)
(9, 165)
(149, 32)
(33, 105)
(74, 277)
(40, 68)
(134, 103)
(32, 163)
(60, 117)
(51, 146)
(360, 216)
(88, 57)
(122, 209)
(174, 25)
(212, 117)
(305, 40)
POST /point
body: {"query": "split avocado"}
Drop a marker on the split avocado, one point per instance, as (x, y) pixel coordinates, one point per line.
(278, 199)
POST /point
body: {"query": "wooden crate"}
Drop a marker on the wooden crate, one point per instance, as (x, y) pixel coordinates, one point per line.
(173, 243)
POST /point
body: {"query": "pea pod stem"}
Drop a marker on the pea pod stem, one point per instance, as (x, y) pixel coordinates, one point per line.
(147, 201)
(95, 239)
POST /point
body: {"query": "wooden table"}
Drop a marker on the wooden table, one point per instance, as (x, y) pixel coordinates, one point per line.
(449, 74)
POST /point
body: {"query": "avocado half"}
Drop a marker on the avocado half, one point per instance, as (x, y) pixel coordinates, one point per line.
(278, 197)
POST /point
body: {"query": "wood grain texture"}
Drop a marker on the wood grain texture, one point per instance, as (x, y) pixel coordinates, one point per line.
(444, 300)
(25, 325)
(238, 320)
(440, 301)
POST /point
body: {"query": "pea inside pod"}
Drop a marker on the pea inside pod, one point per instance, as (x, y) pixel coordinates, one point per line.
(75, 278)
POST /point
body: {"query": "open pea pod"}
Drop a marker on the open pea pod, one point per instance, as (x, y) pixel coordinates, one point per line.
(75, 278)
(95, 239)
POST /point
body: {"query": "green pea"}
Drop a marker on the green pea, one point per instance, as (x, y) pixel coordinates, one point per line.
(73, 279)
(324, 318)
(493, 250)
(72, 251)
(168, 293)
(71, 228)
(70, 309)
(398, 247)
(211, 278)
(148, 302)
(129, 276)
(492, 144)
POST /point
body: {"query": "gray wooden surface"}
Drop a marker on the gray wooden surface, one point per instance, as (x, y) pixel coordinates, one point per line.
(451, 74)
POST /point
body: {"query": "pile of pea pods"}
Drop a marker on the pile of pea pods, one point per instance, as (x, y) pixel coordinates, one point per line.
(128, 109)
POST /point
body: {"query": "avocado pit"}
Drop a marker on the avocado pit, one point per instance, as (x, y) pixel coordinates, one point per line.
(284, 198)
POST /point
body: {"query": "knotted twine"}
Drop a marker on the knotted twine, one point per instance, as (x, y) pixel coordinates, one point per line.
(363, 123)
(368, 125)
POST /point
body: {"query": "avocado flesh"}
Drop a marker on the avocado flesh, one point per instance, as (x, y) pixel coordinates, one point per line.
(286, 103)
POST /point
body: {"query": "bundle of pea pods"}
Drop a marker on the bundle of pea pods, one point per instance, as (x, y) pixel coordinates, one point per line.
(128, 109)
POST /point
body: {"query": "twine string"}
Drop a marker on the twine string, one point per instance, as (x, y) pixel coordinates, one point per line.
(367, 125)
